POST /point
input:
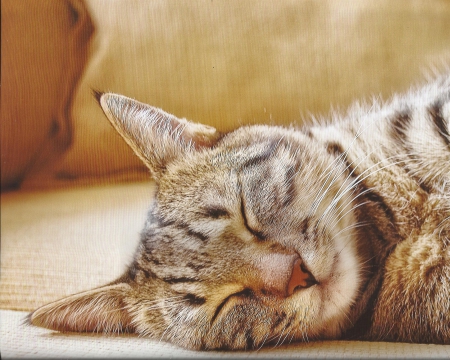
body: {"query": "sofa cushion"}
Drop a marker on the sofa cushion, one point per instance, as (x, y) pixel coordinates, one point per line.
(44, 47)
(226, 63)
(62, 242)
(66, 241)
(21, 341)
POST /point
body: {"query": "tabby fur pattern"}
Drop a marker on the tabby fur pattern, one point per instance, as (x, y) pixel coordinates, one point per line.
(267, 235)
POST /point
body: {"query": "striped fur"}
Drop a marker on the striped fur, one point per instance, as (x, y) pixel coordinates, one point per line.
(361, 205)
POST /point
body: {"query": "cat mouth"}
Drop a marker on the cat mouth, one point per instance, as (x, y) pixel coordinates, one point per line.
(300, 278)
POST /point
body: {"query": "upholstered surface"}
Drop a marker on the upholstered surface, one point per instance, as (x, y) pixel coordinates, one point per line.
(61, 242)
(233, 62)
(43, 53)
(223, 63)
(18, 341)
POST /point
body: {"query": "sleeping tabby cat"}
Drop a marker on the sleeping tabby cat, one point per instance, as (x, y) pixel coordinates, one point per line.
(270, 235)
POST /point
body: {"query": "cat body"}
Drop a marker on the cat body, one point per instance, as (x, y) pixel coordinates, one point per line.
(269, 234)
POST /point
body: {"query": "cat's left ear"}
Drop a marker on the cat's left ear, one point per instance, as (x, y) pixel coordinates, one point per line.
(154, 135)
(103, 309)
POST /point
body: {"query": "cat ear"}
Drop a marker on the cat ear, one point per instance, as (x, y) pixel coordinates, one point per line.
(155, 136)
(100, 310)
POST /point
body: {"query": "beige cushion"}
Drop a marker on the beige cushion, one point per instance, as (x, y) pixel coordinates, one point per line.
(227, 63)
(61, 242)
(19, 341)
(44, 47)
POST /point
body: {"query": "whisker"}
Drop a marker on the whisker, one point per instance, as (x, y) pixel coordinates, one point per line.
(334, 163)
(350, 227)
(279, 338)
(263, 342)
(355, 183)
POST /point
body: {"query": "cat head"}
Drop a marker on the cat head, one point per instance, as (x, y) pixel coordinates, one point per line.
(249, 239)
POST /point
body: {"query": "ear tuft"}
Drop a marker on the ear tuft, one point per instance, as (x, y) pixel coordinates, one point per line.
(100, 310)
(154, 135)
(97, 94)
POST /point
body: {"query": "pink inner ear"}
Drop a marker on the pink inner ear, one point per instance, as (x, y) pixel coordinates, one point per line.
(201, 141)
(200, 135)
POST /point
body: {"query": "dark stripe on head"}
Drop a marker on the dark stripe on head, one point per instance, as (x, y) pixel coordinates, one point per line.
(400, 123)
(336, 150)
(135, 268)
(264, 156)
(153, 260)
(177, 280)
(439, 122)
(161, 221)
(191, 232)
(305, 225)
(370, 195)
(216, 212)
(196, 234)
(258, 234)
(196, 267)
(132, 271)
(194, 299)
(378, 199)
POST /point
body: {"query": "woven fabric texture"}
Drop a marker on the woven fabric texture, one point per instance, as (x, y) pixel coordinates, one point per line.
(19, 340)
(61, 242)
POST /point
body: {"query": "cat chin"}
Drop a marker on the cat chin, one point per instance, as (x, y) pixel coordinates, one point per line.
(332, 330)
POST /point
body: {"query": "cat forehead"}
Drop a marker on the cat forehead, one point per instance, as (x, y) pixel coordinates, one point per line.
(226, 170)
(244, 148)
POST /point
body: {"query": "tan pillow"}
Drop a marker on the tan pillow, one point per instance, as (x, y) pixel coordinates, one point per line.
(226, 63)
(43, 54)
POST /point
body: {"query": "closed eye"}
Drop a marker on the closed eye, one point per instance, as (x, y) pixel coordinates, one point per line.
(258, 234)
(246, 293)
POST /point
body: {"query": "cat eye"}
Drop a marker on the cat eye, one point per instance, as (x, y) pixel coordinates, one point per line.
(257, 234)
(246, 293)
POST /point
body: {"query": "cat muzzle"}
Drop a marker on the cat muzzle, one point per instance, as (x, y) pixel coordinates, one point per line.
(283, 274)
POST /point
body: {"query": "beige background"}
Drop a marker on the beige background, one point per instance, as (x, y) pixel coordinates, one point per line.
(223, 63)
(73, 211)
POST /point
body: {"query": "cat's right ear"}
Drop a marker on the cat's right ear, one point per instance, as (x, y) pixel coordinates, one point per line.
(154, 135)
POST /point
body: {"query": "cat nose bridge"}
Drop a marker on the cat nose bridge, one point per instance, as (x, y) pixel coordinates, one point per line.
(281, 273)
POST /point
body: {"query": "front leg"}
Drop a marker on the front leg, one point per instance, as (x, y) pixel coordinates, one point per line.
(414, 301)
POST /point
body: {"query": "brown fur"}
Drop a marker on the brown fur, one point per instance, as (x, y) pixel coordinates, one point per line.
(270, 235)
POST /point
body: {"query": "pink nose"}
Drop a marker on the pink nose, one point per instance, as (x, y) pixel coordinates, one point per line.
(300, 278)
(282, 274)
